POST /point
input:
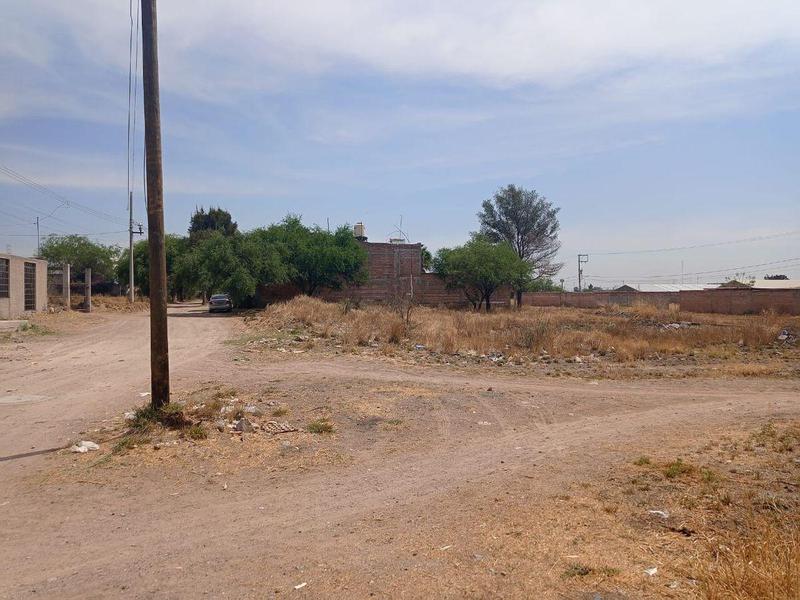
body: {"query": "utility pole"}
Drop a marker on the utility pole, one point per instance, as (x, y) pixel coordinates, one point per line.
(38, 239)
(131, 291)
(159, 341)
(131, 233)
(582, 258)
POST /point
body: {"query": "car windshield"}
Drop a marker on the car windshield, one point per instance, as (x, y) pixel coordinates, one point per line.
(219, 297)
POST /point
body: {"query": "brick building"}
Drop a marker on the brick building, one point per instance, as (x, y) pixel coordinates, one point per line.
(395, 271)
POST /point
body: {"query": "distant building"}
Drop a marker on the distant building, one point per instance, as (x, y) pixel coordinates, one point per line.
(662, 287)
(776, 284)
(23, 286)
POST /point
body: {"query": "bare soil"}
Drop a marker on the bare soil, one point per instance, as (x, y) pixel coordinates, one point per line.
(438, 480)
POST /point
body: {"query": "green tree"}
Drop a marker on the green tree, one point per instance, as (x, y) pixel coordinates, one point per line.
(529, 223)
(175, 246)
(236, 265)
(81, 253)
(480, 267)
(204, 223)
(316, 258)
(427, 259)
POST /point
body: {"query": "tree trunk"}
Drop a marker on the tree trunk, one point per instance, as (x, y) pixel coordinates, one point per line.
(488, 302)
(519, 299)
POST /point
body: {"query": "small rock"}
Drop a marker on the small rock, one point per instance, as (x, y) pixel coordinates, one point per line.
(243, 426)
(659, 513)
(220, 425)
(130, 416)
(254, 410)
(651, 571)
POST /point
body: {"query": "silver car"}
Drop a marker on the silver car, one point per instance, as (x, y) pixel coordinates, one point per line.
(220, 303)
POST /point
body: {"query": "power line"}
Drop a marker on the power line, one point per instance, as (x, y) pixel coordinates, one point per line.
(67, 203)
(61, 234)
(696, 246)
(648, 277)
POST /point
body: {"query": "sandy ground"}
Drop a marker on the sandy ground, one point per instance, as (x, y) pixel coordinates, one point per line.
(438, 482)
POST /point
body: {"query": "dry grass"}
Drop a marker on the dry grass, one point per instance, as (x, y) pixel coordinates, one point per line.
(621, 334)
(114, 304)
(763, 564)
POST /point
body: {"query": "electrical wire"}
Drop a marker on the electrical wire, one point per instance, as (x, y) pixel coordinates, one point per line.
(696, 246)
(67, 203)
(650, 277)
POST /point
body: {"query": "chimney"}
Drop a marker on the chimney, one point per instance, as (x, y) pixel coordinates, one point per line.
(359, 232)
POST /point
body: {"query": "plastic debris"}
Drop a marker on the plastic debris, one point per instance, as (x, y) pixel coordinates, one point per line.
(651, 571)
(300, 586)
(84, 446)
(659, 513)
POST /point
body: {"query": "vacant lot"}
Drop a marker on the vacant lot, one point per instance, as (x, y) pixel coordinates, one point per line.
(640, 341)
(304, 460)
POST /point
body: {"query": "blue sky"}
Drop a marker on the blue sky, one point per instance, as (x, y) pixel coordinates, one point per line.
(651, 124)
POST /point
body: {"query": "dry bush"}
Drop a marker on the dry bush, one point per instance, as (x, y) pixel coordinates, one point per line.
(622, 333)
(762, 563)
(117, 304)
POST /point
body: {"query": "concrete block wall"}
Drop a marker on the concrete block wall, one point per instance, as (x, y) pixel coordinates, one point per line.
(13, 307)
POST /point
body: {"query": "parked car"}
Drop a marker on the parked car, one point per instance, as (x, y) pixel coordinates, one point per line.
(220, 303)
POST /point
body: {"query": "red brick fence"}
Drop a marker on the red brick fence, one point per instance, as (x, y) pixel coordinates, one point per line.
(725, 301)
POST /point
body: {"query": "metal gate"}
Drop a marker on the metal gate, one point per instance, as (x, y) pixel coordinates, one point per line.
(30, 286)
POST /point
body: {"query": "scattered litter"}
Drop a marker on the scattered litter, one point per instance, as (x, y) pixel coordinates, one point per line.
(224, 486)
(300, 586)
(484, 423)
(660, 513)
(84, 446)
(674, 585)
(130, 416)
(594, 383)
(419, 347)
(443, 548)
(275, 428)
(144, 394)
(651, 571)
(220, 425)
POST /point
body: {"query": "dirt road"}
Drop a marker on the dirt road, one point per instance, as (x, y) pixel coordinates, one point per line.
(409, 513)
(50, 388)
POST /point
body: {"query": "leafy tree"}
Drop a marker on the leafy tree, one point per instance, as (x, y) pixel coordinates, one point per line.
(175, 247)
(81, 253)
(316, 258)
(236, 265)
(776, 277)
(529, 223)
(204, 223)
(544, 284)
(427, 259)
(480, 267)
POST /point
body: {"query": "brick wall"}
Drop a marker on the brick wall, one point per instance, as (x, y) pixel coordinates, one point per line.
(725, 301)
(393, 271)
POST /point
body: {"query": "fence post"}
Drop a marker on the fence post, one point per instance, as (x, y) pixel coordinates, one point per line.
(65, 286)
(87, 295)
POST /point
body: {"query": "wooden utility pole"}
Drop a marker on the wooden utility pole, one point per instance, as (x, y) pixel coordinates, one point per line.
(131, 290)
(66, 280)
(159, 342)
(87, 290)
